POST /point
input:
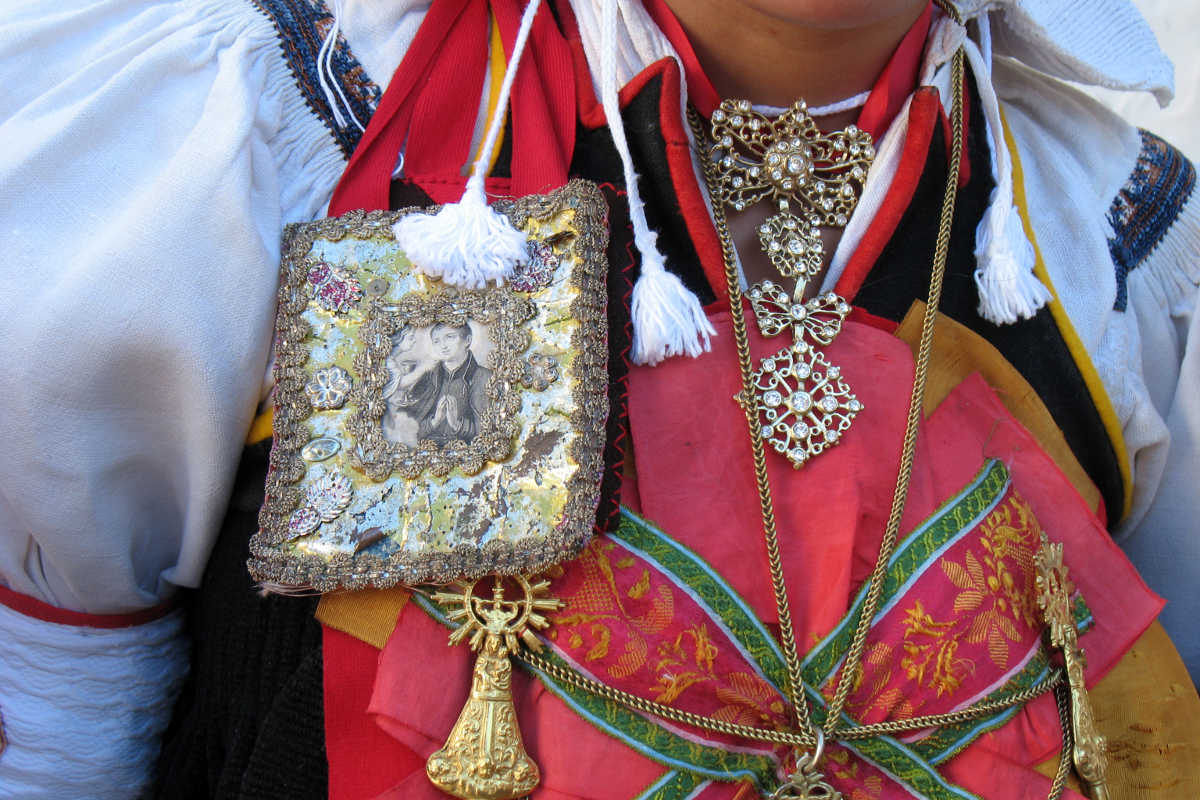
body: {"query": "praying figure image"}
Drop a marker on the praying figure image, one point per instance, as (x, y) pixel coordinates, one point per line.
(459, 385)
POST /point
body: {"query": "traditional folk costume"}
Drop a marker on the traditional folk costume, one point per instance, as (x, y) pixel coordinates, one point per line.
(1073, 421)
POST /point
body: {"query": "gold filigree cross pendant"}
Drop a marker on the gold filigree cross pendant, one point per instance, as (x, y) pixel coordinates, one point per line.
(804, 405)
(484, 758)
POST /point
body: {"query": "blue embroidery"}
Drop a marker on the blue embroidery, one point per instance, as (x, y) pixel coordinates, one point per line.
(1146, 206)
(301, 26)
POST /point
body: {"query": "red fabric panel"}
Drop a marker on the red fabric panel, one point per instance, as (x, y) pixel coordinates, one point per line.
(897, 80)
(367, 178)
(429, 109)
(696, 481)
(688, 191)
(689, 486)
(364, 761)
(543, 102)
(32, 607)
(444, 112)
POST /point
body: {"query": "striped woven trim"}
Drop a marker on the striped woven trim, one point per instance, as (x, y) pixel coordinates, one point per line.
(301, 26)
(1147, 206)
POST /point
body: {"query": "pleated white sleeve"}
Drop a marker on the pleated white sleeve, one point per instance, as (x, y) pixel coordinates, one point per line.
(151, 154)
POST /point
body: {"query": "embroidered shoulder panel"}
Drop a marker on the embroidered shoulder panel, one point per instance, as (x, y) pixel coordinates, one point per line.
(301, 26)
(1147, 206)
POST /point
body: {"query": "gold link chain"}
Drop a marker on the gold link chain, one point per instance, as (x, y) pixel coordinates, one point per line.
(792, 738)
(805, 735)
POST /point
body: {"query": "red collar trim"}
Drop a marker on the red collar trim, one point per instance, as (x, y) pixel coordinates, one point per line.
(893, 86)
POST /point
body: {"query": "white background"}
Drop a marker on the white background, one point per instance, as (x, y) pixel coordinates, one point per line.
(1176, 23)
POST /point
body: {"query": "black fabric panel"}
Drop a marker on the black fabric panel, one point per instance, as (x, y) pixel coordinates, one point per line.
(250, 723)
(596, 159)
(403, 194)
(1035, 346)
(621, 265)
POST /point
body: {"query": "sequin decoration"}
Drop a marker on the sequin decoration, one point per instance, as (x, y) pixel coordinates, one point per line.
(304, 521)
(335, 289)
(539, 372)
(328, 388)
(537, 271)
(320, 449)
(330, 495)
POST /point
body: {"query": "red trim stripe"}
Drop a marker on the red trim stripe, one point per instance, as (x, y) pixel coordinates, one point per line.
(32, 607)
(924, 113)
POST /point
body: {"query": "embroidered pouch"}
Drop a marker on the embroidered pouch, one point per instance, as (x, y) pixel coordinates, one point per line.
(424, 432)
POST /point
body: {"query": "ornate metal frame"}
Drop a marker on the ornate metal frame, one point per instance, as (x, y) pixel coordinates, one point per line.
(276, 559)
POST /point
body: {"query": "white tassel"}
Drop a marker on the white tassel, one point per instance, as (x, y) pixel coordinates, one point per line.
(1004, 259)
(1008, 289)
(668, 319)
(468, 243)
(465, 244)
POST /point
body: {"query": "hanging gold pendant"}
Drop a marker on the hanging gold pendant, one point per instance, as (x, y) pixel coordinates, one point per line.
(793, 244)
(804, 406)
(806, 783)
(484, 758)
(788, 158)
(1054, 598)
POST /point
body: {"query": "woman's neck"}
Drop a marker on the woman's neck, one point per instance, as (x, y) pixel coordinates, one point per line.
(775, 51)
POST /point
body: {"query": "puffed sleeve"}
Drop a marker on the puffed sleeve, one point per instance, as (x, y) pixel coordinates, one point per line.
(1118, 226)
(149, 155)
(1156, 246)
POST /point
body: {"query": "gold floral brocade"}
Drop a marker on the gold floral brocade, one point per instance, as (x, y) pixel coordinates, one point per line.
(425, 433)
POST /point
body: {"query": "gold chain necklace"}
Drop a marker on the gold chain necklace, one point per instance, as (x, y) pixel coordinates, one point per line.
(806, 781)
(806, 737)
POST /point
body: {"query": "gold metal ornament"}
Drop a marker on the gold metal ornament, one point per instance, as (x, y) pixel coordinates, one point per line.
(806, 782)
(803, 404)
(789, 160)
(1054, 597)
(484, 758)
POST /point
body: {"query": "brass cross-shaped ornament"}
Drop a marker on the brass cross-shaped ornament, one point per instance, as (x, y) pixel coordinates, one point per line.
(1054, 598)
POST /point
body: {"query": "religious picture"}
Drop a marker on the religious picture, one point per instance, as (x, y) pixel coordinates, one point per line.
(436, 388)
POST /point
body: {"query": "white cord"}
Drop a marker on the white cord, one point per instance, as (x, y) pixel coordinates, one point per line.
(479, 171)
(468, 243)
(329, 83)
(1004, 258)
(857, 101)
(667, 318)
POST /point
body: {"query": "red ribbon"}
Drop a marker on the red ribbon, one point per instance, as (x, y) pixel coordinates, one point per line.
(429, 109)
